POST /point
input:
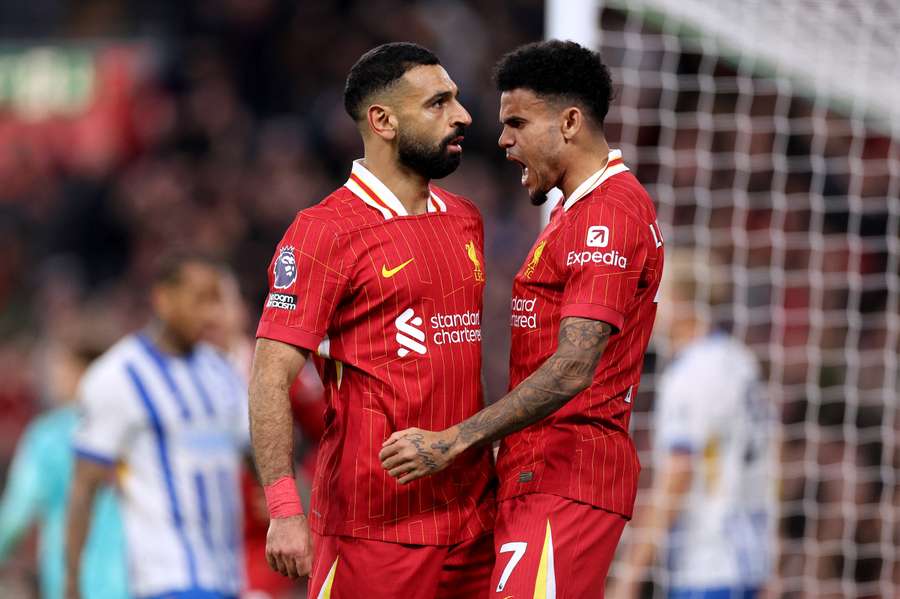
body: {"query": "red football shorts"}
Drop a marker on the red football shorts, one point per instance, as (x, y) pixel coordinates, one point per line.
(351, 568)
(549, 547)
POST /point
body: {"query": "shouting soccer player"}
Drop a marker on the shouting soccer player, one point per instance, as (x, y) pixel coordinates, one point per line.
(582, 311)
(381, 283)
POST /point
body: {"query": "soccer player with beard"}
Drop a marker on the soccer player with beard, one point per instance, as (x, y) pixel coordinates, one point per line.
(582, 312)
(381, 285)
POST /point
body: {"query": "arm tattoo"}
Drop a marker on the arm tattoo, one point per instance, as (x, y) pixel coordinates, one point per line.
(442, 446)
(564, 375)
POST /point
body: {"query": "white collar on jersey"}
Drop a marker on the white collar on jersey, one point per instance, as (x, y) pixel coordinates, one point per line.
(369, 188)
(613, 166)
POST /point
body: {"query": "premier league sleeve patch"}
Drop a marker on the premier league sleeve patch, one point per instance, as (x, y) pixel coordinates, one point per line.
(285, 268)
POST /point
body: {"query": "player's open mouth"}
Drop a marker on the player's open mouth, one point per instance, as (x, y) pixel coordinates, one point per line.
(523, 166)
(455, 144)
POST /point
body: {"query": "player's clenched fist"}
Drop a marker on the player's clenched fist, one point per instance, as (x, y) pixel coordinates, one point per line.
(289, 546)
(413, 453)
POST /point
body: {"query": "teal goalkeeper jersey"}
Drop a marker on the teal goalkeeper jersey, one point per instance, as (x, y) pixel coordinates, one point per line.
(37, 490)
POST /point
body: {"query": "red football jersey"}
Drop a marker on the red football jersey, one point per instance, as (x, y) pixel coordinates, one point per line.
(600, 257)
(391, 305)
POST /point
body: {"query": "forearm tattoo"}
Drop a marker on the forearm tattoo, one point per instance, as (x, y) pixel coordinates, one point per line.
(442, 446)
(566, 373)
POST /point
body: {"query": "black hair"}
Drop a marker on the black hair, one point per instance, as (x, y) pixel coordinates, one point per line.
(378, 69)
(558, 70)
(169, 267)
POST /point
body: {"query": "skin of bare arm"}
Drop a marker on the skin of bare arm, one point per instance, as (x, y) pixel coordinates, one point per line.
(413, 453)
(275, 366)
(88, 478)
(670, 485)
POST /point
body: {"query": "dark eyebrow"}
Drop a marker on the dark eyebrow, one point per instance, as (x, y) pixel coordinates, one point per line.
(444, 95)
(512, 119)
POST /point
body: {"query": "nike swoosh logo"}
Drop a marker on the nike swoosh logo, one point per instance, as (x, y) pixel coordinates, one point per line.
(387, 273)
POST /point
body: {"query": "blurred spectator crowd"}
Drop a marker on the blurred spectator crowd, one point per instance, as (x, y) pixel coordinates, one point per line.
(208, 125)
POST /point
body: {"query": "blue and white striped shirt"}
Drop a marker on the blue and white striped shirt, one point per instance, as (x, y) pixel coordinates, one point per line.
(710, 405)
(176, 426)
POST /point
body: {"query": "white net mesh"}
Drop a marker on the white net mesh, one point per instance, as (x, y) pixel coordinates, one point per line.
(769, 134)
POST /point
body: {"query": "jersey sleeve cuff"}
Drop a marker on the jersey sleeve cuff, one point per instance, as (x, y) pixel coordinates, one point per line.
(291, 335)
(97, 457)
(594, 312)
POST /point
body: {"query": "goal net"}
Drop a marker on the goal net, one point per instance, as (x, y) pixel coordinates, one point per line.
(768, 132)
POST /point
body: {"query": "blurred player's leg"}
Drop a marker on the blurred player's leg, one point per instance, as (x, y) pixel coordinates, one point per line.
(467, 569)
(551, 547)
(352, 568)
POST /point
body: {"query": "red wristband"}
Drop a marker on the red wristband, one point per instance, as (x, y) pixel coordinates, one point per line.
(282, 498)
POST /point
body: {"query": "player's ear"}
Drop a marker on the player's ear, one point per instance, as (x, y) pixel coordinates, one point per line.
(571, 122)
(382, 121)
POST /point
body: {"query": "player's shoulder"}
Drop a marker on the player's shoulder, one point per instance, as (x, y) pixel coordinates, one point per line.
(53, 426)
(626, 194)
(211, 352)
(455, 203)
(716, 354)
(336, 212)
(721, 346)
(111, 367)
(55, 420)
(340, 213)
(216, 357)
(733, 354)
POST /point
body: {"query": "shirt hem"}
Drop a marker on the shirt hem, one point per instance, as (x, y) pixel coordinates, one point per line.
(387, 535)
(627, 514)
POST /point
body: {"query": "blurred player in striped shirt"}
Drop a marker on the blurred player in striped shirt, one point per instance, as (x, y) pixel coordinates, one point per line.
(164, 415)
(581, 315)
(381, 285)
(712, 506)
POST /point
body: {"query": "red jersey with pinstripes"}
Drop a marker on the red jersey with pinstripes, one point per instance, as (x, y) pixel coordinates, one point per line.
(600, 257)
(391, 305)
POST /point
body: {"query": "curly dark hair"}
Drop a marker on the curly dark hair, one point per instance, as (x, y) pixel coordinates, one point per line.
(378, 69)
(561, 71)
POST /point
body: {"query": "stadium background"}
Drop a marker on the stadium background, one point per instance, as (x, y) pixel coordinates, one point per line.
(130, 127)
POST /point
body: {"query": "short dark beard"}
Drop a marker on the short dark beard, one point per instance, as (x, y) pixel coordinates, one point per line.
(430, 162)
(538, 198)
